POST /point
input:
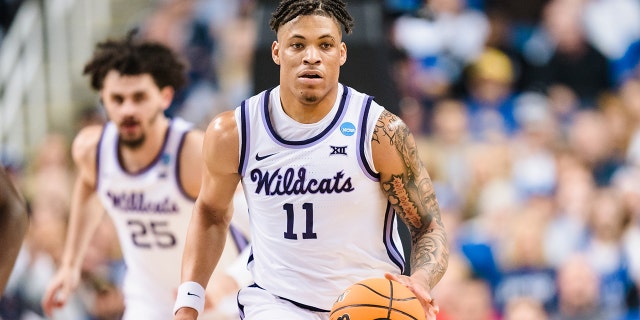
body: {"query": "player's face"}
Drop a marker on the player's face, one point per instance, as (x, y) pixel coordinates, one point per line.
(310, 52)
(134, 103)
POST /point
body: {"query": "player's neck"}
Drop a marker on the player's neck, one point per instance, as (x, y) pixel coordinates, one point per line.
(306, 111)
(136, 159)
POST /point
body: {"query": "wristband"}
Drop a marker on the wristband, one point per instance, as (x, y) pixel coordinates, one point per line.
(191, 295)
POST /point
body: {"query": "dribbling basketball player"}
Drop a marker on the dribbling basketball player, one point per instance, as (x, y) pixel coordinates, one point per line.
(326, 172)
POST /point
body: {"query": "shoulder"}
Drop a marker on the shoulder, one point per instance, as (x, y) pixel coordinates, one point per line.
(85, 144)
(389, 124)
(221, 139)
(223, 128)
(392, 144)
(84, 153)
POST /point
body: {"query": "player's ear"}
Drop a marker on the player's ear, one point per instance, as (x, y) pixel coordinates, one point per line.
(167, 94)
(275, 52)
(343, 53)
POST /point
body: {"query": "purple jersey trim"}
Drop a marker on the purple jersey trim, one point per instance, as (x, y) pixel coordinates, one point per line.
(298, 304)
(244, 136)
(362, 138)
(239, 239)
(104, 129)
(392, 250)
(152, 163)
(177, 168)
(346, 95)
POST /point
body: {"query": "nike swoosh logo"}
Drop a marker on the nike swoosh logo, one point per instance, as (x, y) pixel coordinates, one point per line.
(192, 294)
(260, 158)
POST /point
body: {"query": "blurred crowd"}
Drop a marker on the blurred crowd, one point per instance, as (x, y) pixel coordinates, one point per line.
(526, 114)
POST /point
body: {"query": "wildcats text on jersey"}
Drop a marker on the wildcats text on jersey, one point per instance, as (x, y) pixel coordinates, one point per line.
(136, 202)
(292, 182)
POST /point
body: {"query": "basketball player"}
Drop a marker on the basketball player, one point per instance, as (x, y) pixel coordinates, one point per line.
(326, 173)
(145, 169)
(13, 226)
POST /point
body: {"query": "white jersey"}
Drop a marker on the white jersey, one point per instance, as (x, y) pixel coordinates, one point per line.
(151, 213)
(319, 221)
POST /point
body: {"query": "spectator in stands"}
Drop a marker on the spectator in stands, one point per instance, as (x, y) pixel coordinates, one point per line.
(578, 294)
(523, 269)
(630, 95)
(447, 149)
(604, 250)
(440, 39)
(613, 26)
(533, 147)
(591, 140)
(175, 24)
(473, 302)
(620, 122)
(489, 96)
(560, 55)
(524, 309)
(567, 227)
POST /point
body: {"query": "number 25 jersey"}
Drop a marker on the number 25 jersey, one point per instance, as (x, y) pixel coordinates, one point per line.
(151, 213)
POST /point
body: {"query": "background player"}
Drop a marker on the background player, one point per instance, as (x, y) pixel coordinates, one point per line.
(146, 170)
(326, 170)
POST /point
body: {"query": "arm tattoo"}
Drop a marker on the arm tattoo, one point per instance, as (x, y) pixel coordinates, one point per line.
(413, 197)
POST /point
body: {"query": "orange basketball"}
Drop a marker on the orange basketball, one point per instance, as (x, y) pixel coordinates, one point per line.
(377, 299)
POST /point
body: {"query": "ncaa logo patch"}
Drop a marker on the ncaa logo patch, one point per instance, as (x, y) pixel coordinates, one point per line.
(165, 158)
(348, 129)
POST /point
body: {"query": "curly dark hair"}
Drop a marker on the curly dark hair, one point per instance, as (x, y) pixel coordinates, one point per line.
(290, 9)
(130, 56)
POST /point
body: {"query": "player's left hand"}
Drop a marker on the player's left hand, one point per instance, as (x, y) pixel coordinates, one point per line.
(420, 288)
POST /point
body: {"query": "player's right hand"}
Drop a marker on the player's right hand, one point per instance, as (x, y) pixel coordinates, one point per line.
(60, 288)
(418, 288)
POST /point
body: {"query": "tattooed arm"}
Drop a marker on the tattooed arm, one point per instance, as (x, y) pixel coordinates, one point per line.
(406, 183)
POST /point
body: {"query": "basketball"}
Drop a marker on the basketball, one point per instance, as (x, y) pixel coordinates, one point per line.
(377, 299)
